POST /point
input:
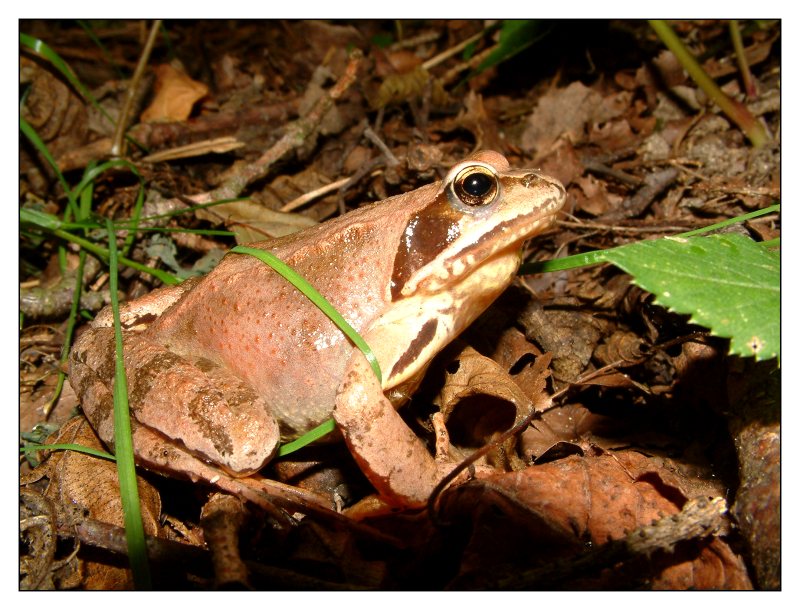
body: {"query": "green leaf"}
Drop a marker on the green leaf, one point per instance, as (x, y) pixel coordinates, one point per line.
(727, 283)
(516, 35)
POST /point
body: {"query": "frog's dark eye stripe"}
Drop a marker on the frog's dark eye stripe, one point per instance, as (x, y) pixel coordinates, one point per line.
(426, 235)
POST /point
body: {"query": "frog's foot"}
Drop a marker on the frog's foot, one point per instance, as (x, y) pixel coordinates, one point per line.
(194, 404)
(392, 457)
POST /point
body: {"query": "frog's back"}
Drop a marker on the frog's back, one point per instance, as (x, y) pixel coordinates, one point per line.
(249, 319)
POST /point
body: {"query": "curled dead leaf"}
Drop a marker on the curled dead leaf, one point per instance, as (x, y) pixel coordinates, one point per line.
(479, 398)
(570, 336)
(621, 345)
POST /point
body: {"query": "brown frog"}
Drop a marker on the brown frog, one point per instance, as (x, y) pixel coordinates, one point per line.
(224, 367)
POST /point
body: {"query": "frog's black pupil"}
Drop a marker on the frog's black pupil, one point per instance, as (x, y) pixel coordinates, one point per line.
(477, 184)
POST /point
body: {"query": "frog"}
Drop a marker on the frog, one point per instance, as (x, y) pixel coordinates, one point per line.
(223, 369)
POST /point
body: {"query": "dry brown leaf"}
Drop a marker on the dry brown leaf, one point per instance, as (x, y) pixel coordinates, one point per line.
(553, 511)
(557, 426)
(621, 345)
(251, 221)
(85, 486)
(612, 135)
(571, 336)
(52, 108)
(754, 54)
(77, 479)
(288, 188)
(593, 197)
(566, 113)
(399, 61)
(175, 96)
(563, 163)
(474, 118)
(479, 398)
(397, 88)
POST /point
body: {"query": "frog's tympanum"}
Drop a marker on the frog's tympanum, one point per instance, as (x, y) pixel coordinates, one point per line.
(225, 367)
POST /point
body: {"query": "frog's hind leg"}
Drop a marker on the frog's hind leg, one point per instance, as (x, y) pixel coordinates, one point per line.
(194, 403)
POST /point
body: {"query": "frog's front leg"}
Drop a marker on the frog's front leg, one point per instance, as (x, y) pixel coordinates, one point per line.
(392, 457)
(192, 404)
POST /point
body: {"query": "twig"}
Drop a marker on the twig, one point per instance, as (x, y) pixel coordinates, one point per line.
(305, 198)
(699, 518)
(373, 137)
(118, 145)
(654, 184)
(296, 134)
(741, 58)
(444, 55)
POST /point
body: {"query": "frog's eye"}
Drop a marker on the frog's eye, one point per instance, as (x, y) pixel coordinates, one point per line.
(475, 186)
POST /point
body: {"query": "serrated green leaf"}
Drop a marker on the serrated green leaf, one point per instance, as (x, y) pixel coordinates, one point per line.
(727, 283)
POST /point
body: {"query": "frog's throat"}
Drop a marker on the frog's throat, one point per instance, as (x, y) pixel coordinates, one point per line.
(417, 327)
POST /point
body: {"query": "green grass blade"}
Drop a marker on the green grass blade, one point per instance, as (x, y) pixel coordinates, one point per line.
(732, 221)
(123, 442)
(91, 173)
(42, 149)
(329, 310)
(595, 257)
(735, 111)
(31, 447)
(315, 297)
(575, 261)
(87, 27)
(309, 437)
(53, 224)
(165, 277)
(45, 52)
(40, 219)
(69, 331)
(516, 35)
